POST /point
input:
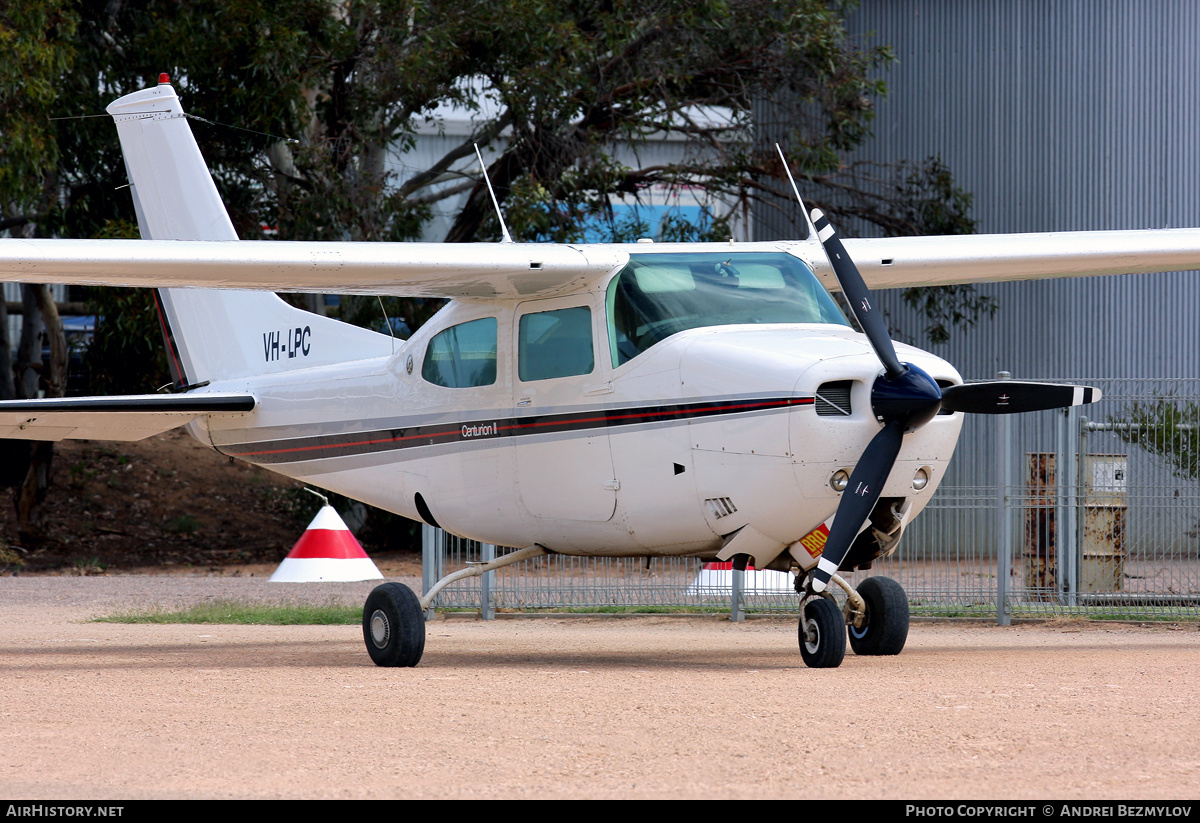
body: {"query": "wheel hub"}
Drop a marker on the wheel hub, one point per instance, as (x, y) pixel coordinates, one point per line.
(812, 636)
(381, 629)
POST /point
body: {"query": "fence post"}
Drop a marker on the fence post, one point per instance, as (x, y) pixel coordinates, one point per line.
(737, 587)
(429, 562)
(1069, 487)
(1003, 515)
(1066, 574)
(487, 604)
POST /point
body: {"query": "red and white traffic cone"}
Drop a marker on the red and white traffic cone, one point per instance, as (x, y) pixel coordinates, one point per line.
(327, 551)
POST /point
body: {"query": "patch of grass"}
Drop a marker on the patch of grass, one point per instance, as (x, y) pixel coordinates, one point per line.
(620, 610)
(9, 557)
(90, 565)
(230, 612)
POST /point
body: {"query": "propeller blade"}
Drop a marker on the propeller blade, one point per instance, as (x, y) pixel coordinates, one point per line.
(1012, 397)
(859, 498)
(858, 296)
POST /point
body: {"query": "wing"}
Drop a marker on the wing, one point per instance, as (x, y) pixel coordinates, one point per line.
(126, 417)
(514, 270)
(895, 262)
(489, 270)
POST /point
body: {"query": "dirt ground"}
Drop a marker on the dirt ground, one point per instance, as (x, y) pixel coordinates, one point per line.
(169, 504)
(565, 707)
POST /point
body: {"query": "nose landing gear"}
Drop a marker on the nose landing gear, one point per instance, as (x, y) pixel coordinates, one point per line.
(876, 616)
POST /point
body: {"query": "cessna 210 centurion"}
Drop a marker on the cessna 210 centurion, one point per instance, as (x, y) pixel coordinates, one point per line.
(705, 400)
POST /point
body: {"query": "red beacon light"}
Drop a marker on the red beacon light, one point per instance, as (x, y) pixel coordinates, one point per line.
(163, 79)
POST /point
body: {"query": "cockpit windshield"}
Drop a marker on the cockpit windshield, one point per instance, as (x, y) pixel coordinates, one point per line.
(658, 295)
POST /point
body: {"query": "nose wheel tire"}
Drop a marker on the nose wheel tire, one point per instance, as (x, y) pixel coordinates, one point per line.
(394, 626)
(886, 629)
(822, 634)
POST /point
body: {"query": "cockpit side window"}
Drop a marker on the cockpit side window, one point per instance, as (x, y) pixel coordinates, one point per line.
(658, 295)
(555, 344)
(462, 356)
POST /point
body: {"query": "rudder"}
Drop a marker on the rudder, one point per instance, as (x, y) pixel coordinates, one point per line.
(214, 334)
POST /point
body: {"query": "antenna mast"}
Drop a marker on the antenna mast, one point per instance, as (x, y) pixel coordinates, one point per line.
(495, 203)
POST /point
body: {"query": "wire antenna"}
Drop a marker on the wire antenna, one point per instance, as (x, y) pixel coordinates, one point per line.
(812, 230)
(495, 202)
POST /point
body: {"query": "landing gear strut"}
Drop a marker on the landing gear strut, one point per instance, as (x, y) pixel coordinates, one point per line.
(393, 621)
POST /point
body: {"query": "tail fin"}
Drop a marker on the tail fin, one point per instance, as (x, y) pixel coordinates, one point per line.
(215, 334)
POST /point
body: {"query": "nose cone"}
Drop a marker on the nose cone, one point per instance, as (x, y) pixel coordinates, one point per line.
(911, 398)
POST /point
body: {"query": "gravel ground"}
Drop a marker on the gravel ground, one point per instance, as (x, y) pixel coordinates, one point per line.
(567, 707)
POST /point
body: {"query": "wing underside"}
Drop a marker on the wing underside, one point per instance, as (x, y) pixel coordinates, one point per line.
(126, 417)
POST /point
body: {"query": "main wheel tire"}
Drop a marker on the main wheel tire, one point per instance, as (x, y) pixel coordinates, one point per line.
(822, 634)
(886, 629)
(393, 626)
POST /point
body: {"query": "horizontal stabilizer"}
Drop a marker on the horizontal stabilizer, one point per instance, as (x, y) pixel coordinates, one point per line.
(123, 417)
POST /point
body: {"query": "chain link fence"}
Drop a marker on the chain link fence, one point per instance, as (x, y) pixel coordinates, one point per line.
(1089, 511)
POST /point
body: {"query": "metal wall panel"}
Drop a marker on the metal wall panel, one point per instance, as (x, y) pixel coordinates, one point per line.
(1057, 115)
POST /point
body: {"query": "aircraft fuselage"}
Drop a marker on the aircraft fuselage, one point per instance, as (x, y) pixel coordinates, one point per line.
(564, 423)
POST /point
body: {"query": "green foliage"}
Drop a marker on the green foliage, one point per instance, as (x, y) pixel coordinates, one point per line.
(930, 203)
(230, 612)
(301, 109)
(912, 199)
(126, 354)
(37, 41)
(554, 87)
(1168, 428)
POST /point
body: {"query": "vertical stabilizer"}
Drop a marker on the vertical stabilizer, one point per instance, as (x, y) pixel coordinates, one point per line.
(215, 334)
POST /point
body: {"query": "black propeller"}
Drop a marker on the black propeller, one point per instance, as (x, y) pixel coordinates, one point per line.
(1010, 397)
(905, 398)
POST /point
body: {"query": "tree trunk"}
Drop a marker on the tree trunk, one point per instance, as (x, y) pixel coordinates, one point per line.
(40, 313)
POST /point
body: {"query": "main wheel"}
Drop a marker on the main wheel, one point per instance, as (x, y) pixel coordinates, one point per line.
(394, 626)
(886, 628)
(822, 634)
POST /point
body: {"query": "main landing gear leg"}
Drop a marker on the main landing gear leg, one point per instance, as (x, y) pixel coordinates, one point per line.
(394, 617)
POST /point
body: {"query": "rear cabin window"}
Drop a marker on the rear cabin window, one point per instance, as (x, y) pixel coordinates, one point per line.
(555, 344)
(462, 356)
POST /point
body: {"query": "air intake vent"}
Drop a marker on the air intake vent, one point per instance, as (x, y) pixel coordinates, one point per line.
(833, 399)
(720, 506)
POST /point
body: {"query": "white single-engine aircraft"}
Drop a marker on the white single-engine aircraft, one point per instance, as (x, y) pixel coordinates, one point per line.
(704, 400)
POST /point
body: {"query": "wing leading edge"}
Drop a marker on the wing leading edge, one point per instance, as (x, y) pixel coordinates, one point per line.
(895, 262)
(520, 270)
(123, 417)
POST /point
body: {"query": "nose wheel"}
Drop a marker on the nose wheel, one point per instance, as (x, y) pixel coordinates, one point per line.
(876, 619)
(822, 634)
(885, 626)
